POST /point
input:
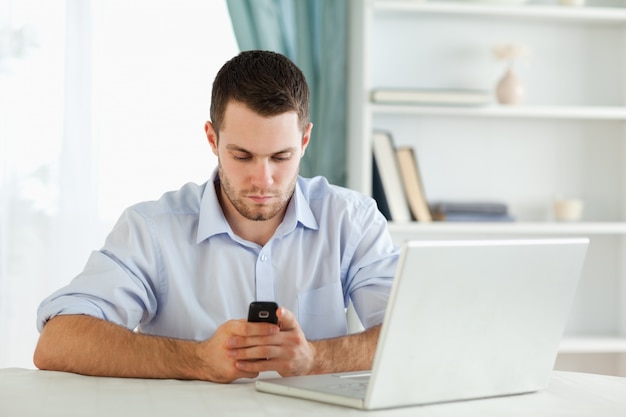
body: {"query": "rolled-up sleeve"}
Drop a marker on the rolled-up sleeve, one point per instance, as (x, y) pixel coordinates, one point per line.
(119, 283)
(372, 268)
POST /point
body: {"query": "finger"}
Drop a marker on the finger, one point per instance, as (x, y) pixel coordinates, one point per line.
(261, 329)
(255, 353)
(247, 328)
(286, 319)
(241, 342)
(234, 327)
(254, 336)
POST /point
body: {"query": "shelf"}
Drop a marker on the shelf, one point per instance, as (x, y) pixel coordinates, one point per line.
(546, 12)
(515, 228)
(569, 136)
(528, 112)
(585, 345)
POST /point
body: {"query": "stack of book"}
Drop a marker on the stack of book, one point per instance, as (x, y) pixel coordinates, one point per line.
(397, 184)
(471, 211)
(399, 191)
(431, 97)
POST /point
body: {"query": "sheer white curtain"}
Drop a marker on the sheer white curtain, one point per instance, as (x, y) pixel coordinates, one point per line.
(107, 110)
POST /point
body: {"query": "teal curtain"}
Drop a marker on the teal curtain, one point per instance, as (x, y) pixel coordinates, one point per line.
(313, 34)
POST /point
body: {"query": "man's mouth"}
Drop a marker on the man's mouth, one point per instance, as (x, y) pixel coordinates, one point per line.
(260, 199)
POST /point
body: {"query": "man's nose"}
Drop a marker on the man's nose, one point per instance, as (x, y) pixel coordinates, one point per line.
(262, 175)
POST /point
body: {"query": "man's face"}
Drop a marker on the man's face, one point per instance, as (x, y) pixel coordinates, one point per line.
(258, 160)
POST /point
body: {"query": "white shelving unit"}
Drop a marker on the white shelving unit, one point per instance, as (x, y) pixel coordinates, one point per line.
(568, 136)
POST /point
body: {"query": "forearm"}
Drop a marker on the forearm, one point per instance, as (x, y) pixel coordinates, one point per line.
(348, 353)
(90, 346)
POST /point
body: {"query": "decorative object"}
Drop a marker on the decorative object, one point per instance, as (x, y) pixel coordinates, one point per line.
(568, 209)
(510, 89)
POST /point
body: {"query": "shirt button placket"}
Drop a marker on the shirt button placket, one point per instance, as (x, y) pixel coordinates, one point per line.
(264, 276)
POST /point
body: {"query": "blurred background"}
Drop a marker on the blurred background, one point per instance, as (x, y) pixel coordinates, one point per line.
(135, 80)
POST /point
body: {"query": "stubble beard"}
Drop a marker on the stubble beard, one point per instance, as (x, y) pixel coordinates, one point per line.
(251, 211)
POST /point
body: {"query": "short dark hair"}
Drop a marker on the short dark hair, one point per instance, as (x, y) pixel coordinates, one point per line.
(266, 82)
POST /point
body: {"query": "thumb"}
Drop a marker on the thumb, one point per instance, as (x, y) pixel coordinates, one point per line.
(286, 319)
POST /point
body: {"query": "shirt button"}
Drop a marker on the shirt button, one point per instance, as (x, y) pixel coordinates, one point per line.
(263, 258)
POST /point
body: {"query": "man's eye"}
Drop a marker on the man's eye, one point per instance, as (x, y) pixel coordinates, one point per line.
(281, 158)
(241, 158)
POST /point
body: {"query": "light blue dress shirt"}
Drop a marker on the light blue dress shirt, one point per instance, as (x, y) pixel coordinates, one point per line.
(174, 267)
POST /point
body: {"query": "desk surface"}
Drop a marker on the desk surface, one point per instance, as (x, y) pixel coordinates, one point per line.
(26, 393)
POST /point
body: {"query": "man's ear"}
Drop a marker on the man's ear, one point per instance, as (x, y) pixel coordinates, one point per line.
(306, 138)
(211, 136)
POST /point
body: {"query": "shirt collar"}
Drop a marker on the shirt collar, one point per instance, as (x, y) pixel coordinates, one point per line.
(213, 222)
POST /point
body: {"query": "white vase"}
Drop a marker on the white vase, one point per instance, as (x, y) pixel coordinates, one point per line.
(510, 89)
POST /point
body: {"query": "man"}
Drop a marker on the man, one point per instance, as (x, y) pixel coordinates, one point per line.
(167, 295)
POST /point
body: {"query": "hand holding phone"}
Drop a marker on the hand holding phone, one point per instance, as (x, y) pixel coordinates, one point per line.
(263, 312)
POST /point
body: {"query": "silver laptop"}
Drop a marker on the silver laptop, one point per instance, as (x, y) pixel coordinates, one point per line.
(466, 319)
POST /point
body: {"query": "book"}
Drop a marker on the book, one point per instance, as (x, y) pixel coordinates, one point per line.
(413, 185)
(478, 207)
(471, 211)
(387, 166)
(378, 191)
(473, 217)
(436, 97)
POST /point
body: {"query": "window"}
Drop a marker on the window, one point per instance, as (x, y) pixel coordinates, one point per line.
(154, 63)
(105, 108)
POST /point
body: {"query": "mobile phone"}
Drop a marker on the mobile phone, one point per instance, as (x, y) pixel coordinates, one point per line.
(263, 311)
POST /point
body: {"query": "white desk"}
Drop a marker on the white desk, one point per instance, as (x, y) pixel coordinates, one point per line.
(29, 393)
